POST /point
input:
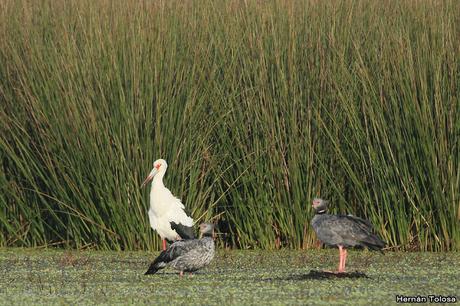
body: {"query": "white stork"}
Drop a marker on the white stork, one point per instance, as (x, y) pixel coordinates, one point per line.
(166, 213)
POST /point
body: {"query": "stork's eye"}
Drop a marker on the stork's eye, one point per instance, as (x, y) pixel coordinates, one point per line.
(158, 166)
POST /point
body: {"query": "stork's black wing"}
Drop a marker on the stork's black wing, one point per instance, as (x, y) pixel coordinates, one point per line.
(185, 232)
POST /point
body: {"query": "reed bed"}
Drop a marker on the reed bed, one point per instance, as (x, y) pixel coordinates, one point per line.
(258, 106)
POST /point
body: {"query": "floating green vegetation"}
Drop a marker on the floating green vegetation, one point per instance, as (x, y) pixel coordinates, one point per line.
(257, 107)
(235, 277)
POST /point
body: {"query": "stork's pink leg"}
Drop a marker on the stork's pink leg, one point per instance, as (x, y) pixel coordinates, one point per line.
(164, 244)
(181, 273)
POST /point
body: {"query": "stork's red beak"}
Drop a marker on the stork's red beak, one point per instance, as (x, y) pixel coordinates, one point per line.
(149, 177)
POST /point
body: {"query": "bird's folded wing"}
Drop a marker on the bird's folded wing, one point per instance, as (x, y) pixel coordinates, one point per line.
(185, 232)
(175, 250)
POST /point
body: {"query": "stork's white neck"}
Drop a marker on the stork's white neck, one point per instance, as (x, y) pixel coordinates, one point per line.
(158, 179)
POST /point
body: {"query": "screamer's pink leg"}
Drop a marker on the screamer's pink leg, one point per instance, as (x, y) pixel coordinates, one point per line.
(344, 259)
(341, 251)
(164, 244)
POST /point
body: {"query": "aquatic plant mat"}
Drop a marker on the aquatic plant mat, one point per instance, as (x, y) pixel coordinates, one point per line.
(235, 277)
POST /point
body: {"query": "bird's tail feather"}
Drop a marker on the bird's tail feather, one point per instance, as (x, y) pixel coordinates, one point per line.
(375, 243)
(151, 270)
(155, 267)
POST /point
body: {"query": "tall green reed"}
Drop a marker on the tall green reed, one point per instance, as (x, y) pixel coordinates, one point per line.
(256, 107)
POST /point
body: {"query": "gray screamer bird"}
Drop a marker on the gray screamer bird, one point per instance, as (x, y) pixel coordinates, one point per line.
(343, 231)
(187, 255)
